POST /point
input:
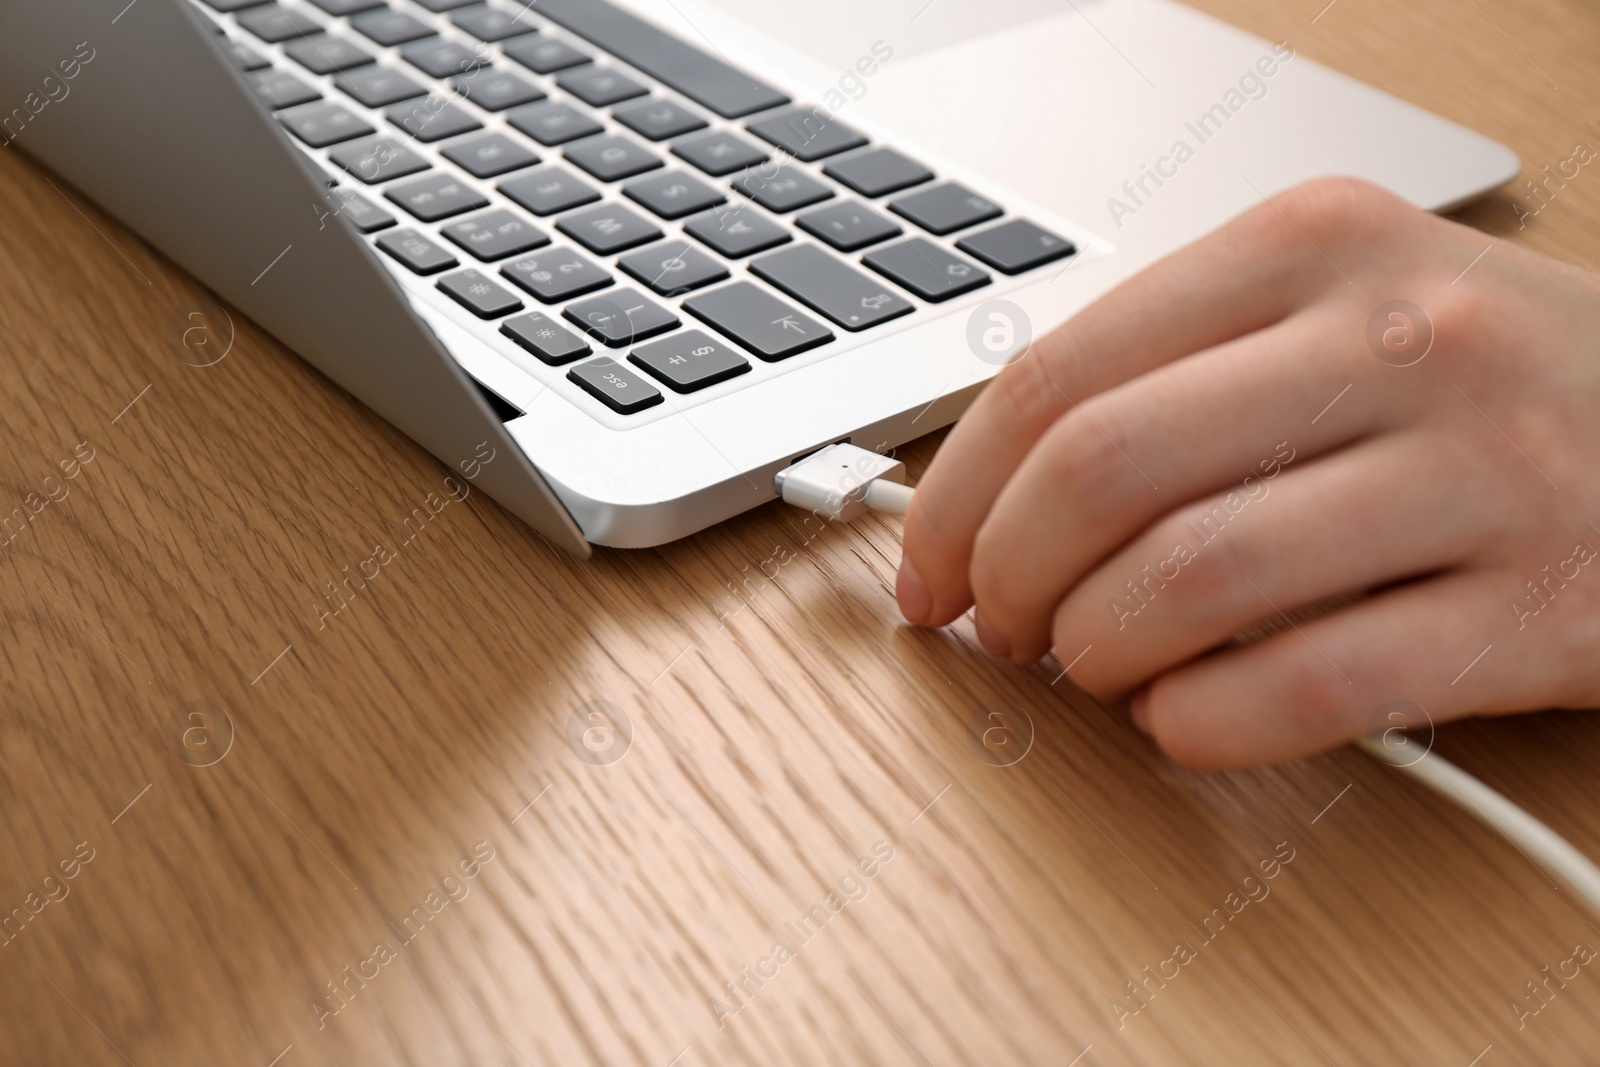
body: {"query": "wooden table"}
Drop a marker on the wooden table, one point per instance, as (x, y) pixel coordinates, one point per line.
(367, 837)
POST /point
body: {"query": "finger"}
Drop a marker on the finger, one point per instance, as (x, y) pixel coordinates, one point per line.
(1361, 518)
(1326, 681)
(1232, 417)
(1247, 275)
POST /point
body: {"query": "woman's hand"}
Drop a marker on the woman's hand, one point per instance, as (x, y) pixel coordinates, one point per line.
(1335, 393)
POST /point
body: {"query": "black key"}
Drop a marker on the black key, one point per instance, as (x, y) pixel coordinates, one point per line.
(416, 251)
(362, 213)
(848, 297)
(556, 274)
(757, 320)
(690, 360)
(489, 156)
(494, 91)
(326, 55)
(545, 338)
(435, 197)
(620, 317)
(783, 189)
(847, 225)
(445, 5)
(807, 135)
(488, 24)
(1016, 246)
(703, 78)
(658, 119)
(432, 119)
(390, 28)
(244, 58)
(377, 159)
(273, 24)
(613, 157)
(347, 7)
(378, 86)
(878, 173)
(543, 56)
(280, 89)
(600, 86)
(673, 268)
(232, 5)
(553, 124)
(548, 191)
(475, 291)
(945, 208)
(608, 228)
(615, 386)
(322, 124)
(495, 235)
(737, 232)
(926, 269)
(443, 59)
(673, 195)
(718, 153)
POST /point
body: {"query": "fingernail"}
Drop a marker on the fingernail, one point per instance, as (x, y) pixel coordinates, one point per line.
(1139, 709)
(916, 602)
(998, 646)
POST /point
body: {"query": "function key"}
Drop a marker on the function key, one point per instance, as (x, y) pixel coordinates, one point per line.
(620, 318)
(390, 28)
(432, 119)
(757, 320)
(549, 190)
(1016, 246)
(244, 58)
(347, 7)
(673, 268)
(479, 294)
(808, 135)
(489, 156)
(613, 157)
(377, 160)
(848, 297)
(434, 197)
(377, 86)
(878, 173)
(362, 213)
(847, 225)
(689, 361)
(673, 195)
(416, 251)
(232, 5)
(555, 275)
(322, 124)
(545, 338)
(552, 124)
(273, 24)
(608, 228)
(488, 24)
(945, 208)
(326, 55)
(718, 153)
(658, 119)
(445, 5)
(615, 386)
(442, 59)
(495, 235)
(737, 232)
(543, 56)
(280, 89)
(926, 269)
(600, 86)
(495, 91)
(788, 189)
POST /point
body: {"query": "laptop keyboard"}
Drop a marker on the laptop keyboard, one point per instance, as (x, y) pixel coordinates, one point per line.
(609, 198)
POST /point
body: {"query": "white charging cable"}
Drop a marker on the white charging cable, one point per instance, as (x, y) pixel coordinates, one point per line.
(842, 481)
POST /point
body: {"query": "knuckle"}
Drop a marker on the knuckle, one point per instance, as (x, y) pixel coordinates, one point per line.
(1335, 210)
(1316, 700)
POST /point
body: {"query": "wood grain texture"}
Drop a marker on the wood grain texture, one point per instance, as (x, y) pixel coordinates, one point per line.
(784, 725)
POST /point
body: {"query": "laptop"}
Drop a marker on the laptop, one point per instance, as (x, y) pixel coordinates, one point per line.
(622, 261)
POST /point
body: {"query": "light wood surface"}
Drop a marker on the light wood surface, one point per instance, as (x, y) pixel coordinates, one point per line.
(375, 752)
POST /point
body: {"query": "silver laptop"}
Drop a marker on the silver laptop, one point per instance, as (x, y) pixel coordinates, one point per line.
(622, 261)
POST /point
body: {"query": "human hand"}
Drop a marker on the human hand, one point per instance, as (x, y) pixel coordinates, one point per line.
(1216, 442)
